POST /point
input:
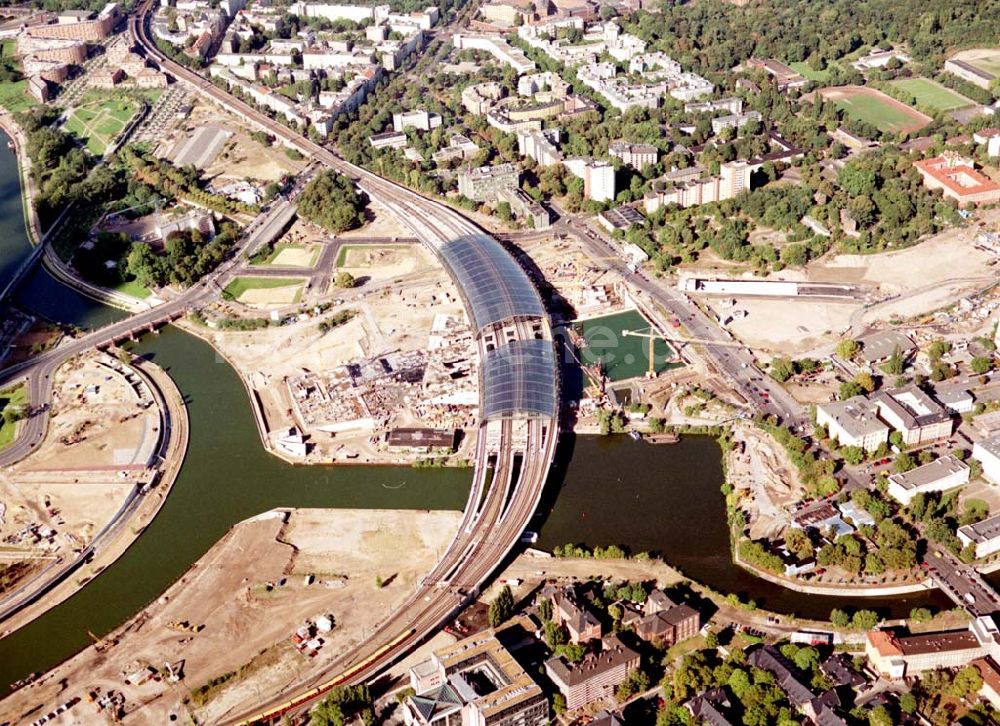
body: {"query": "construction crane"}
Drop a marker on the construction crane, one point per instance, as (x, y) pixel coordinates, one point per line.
(674, 341)
(652, 337)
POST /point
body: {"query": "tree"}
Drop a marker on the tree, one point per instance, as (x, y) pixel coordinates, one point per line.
(545, 609)
(880, 716)
(502, 607)
(332, 201)
(839, 618)
(848, 348)
(907, 702)
(344, 280)
(799, 544)
(920, 615)
(853, 455)
(635, 682)
(966, 682)
(866, 381)
(782, 369)
(903, 462)
(864, 619)
(981, 364)
(850, 389)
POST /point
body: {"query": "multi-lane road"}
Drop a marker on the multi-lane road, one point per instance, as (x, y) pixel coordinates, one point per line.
(737, 364)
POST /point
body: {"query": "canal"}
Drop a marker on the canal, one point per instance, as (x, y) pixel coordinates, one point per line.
(664, 499)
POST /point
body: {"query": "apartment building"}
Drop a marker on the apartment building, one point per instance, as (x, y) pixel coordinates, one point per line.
(596, 676)
(540, 145)
(984, 535)
(497, 47)
(483, 183)
(417, 119)
(957, 178)
(570, 612)
(685, 190)
(598, 178)
(898, 655)
(479, 98)
(635, 155)
(666, 621)
(734, 121)
(525, 208)
(914, 414)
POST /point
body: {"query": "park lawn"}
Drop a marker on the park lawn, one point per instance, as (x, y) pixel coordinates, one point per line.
(235, 289)
(932, 95)
(16, 396)
(875, 112)
(99, 119)
(14, 96)
(804, 68)
(133, 288)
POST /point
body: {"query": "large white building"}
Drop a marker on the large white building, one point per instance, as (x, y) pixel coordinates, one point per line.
(598, 178)
(853, 422)
(939, 475)
(985, 535)
(497, 47)
(693, 190)
(418, 119)
(987, 453)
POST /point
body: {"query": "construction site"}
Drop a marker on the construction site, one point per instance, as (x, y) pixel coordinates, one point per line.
(382, 372)
(114, 443)
(232, 628)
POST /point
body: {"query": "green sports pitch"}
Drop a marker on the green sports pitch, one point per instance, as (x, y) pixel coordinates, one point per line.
(929, 94)
(98, 122)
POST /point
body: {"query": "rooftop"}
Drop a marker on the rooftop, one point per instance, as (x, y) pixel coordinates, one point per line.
(882, 345)
(991, 445)
(858, 416)
(615, 654)
(957, 174)
(914, 407)
(928, 473)
(890, 644)
(519, 379)
(984, 531)
(497, 287)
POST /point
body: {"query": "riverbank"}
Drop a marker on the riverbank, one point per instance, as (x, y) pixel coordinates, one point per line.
(51, 261)
(232, 617)
(66, 580)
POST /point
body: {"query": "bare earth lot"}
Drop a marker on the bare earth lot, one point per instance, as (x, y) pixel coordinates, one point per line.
(245, 624)
(906, 283)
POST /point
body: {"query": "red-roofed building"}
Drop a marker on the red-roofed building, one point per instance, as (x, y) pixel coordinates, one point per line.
(957, 178)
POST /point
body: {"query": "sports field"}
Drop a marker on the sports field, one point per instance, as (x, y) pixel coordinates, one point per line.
(264, 290)
(622, 356)
(98, 122)
(874, 107)
(930, 94)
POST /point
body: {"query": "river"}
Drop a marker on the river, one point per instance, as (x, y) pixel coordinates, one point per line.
(663, 499)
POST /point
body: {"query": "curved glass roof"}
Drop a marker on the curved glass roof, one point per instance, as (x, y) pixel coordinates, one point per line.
(491, 280)
(520, 379)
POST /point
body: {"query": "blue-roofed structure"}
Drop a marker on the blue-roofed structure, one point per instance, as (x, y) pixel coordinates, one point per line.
(519, 381)
(496, 287)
